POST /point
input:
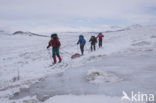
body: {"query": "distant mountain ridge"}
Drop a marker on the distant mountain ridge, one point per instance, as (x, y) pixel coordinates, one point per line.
(27, 33)
(103, 30)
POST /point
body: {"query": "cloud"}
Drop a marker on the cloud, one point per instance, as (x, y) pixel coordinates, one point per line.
(76, 12)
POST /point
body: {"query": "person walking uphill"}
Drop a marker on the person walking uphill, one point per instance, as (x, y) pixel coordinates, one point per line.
(55, 43)
(82, 43)
(100, 37)
(93, 41)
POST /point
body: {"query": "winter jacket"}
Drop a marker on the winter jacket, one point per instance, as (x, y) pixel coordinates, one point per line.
(100, 36)
(93, 40)
(81, 41)
(55, 43)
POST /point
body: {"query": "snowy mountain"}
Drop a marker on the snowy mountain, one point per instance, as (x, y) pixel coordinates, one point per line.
(126, 62)
(116, 27)
(119, 29)
(132, 27)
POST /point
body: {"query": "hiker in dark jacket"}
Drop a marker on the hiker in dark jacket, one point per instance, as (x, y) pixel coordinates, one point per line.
(100, 37)
(93, 41)
(55, 43)
(82, 43)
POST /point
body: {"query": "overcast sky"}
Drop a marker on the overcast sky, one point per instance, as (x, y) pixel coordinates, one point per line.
(75, 13)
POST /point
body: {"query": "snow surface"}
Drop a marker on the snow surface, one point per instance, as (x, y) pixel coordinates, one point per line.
(126, 62)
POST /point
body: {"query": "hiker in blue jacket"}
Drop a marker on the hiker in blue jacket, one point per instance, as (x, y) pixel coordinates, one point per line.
(82, 43)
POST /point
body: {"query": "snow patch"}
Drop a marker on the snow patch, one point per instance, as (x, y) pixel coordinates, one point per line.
(86, 99)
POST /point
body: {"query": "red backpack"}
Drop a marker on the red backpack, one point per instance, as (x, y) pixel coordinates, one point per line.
(56, 43)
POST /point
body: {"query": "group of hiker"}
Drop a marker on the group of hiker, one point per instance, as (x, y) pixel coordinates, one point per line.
(55, 44)
(93, 41)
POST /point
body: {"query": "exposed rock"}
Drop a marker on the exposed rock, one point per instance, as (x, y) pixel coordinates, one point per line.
(27, 33)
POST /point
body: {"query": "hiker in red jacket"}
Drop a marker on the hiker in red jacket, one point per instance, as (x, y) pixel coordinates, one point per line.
(55, 43)
(100, 37)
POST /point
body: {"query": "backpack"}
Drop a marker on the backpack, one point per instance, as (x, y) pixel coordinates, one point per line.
(55, 43)
(95, 39)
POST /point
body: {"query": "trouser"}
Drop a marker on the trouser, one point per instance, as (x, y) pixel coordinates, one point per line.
(100, 43)
(82, 49)
(93, 47)
(55, 52)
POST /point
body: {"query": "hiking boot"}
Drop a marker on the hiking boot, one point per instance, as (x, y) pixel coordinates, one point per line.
(54, 59)
(60, 59)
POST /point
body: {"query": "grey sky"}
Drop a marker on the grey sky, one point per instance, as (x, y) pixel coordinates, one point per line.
(88, 13)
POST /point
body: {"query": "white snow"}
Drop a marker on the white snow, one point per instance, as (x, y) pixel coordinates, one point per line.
(126, 62)
(83, 99)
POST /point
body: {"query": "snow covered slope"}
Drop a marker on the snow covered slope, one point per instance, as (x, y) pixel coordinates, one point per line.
(126, 62)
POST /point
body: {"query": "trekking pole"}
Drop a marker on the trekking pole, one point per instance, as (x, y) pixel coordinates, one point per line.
(50, 55)
(77, 49)
(88, 50)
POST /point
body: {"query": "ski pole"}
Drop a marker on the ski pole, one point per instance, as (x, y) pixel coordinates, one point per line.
(88, 49)
(50, 55)
(77, 49)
